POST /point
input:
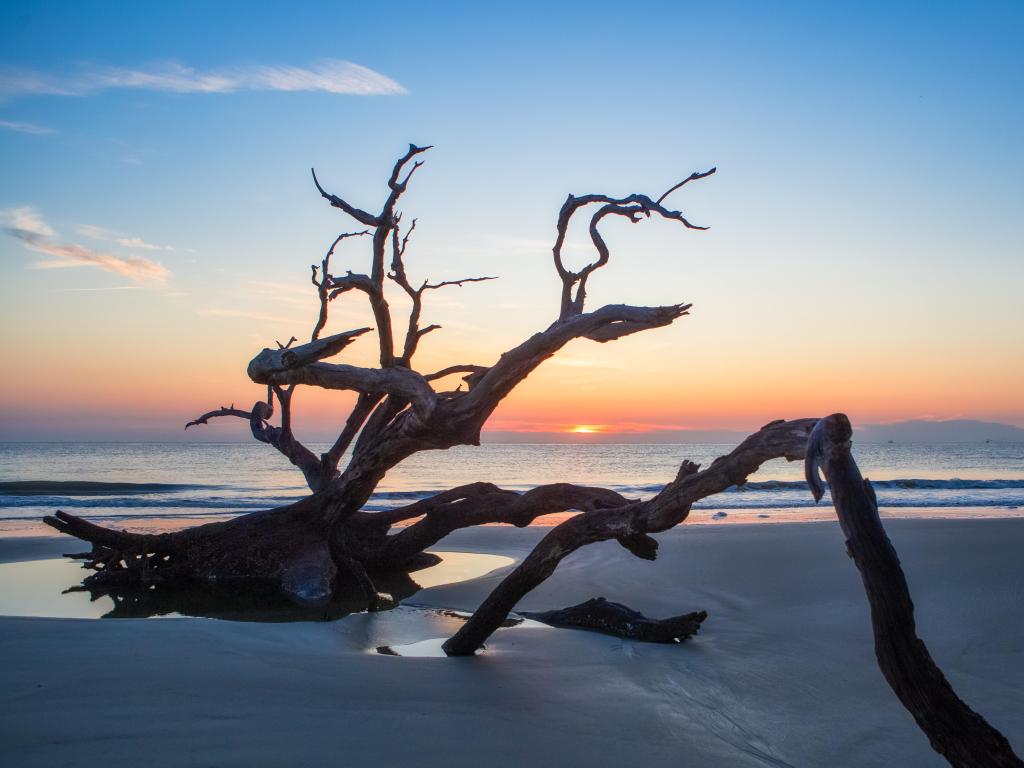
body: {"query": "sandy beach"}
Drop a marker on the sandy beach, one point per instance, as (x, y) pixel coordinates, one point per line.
(782, 673)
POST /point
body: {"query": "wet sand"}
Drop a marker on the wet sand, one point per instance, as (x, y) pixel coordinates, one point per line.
(783, 672)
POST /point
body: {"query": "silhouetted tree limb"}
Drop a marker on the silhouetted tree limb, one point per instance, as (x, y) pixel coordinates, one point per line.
(780, 439)
(323, 282)
(633, 207)
(955, 731)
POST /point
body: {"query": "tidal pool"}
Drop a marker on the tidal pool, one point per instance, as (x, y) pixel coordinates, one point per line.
(40, 588)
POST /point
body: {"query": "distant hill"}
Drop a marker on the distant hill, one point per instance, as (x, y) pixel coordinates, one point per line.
(952, 431)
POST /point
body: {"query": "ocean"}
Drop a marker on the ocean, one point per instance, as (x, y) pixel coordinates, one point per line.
(125, 484)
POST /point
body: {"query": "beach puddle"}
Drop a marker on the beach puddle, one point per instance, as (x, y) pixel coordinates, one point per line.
(449, 621)
(424, 649)
(52, 588)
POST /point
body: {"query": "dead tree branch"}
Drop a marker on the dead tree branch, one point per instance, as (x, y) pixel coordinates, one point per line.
(780, 439)
(955, 731)
(383, 224)
(632, 207)
(323, 282)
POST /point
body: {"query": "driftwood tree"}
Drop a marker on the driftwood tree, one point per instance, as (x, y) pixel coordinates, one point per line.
(326, 544)
(310, 549)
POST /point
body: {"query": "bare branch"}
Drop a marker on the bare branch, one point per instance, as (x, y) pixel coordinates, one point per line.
(399, 186)
(364, 218)
(474, 371)
(272, 367)
(323, 284)
(222, 411)
(633, 207)
(364, 406)
(480, 507)
(294, 357)
(781, 439)
(692, 177)
(605, 324)
(433, 286)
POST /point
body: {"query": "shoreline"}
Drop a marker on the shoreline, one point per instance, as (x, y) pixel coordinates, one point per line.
(35, 528)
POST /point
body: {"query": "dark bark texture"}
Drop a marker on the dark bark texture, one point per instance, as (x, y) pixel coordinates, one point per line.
(955, 731)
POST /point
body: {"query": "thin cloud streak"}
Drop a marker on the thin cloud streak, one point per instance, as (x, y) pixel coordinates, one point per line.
(94, 232)
(30, 128)
(329, 76)
(26, 225)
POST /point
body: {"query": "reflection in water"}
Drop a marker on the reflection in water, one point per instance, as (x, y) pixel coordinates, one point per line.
(431, 647)
(43, 588)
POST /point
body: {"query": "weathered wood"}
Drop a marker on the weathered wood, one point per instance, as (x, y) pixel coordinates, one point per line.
(600, 615)
(397, 413)
(780, 439)
(955, 731)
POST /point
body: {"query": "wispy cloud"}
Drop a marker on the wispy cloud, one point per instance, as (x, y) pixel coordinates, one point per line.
(329, 76)
(104, 289)
(30, 128)
(27, 225)
(94, 232)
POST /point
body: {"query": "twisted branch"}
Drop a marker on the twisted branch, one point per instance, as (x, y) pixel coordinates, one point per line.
(630, 522)
(633, 207)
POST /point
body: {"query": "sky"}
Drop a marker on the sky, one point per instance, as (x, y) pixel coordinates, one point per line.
(865, 241)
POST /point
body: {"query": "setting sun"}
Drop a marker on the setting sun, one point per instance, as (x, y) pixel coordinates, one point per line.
(585, 429)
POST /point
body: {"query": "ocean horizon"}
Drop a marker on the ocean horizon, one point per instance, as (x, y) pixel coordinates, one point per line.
(190, 483)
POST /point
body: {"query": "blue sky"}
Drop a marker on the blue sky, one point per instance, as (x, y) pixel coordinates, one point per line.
(869, 189)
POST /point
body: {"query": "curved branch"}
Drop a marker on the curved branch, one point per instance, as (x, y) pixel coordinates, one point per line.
(955, 731)
(364, 218)
(782, 439)
(474, 372)
(605, 324)
(222, 411)
(633, 207)
(488, 507)
(323, 284)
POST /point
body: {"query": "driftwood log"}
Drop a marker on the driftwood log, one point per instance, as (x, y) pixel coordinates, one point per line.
(600, 615)
(955, 731)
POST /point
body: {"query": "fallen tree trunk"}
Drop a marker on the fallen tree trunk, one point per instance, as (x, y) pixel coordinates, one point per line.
(955, 731)
(600, 615)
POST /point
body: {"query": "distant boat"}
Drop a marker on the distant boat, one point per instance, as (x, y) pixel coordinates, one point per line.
(892, 441)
